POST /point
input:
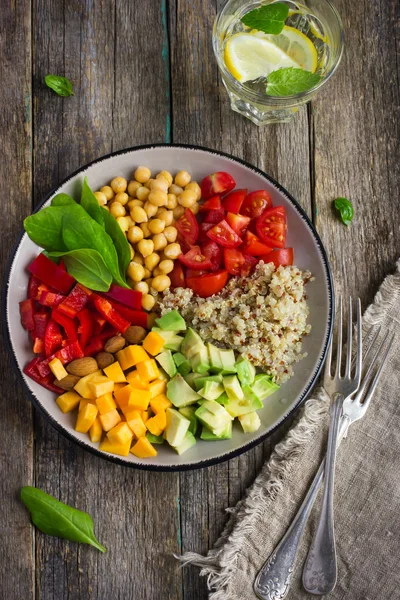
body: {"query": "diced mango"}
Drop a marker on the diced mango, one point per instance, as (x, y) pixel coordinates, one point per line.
(145, 415)
(143, 448)
(105, 403)
(96, 431)
(131, 356)
(68, 401)
(122, 396)
(160, 403)
(134, 379)
(157, 387)
(82, 387)
(139, 399)
(86, 418)
(57, 368)
(153, 343)
(148, 370)
(135, 422)
(115, 373)
(110, 419)
(120, 434)
(118, 386)
(115, 448)
(101, 385)
(85, 401)
(157, 424)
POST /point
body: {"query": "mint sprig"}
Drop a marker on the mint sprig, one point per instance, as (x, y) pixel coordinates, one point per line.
(60, 85)
(345, 209)
(269, 19)
(290, 81)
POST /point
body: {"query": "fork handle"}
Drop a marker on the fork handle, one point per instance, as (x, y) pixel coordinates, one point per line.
(320, 570)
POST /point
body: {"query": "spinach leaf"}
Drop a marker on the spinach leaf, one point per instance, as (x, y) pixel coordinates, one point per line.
(58, 519)
(345, 209)
(90, 204)
(120, 242)
(62, 200)
(61, 85)
(44, 228)
(88, 268)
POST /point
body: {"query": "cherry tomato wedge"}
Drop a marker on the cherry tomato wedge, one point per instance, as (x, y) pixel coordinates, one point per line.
(234, 260)
(207, 285)
(184, 244)
(194, 259)
(203, 228)
(177, 276)
(237, 222)
(213, 203)
(253, 246)
(215, 216)
(255, 203)
(271, 227)
(224, 235)
(212, 251)
(283, 256)
(195, 273)
(234, 200)
(188, 227)
(217, 183)
(249, 264)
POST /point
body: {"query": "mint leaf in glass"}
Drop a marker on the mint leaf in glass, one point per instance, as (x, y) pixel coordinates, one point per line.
(269, 19)
(290, 81)
(60, 85)
(345, 209)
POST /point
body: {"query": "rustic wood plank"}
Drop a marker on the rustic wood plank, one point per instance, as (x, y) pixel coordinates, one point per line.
(16, 461)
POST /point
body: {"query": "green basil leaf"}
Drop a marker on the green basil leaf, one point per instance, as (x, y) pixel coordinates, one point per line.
(45, 227)
(345, 209)
(58, 519)
(62, 200)
(289, 81)
(87, 266)
(90, 204)
(60, 85)
(269, 19)
(120, 242)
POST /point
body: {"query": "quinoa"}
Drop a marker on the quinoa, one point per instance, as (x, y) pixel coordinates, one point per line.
(262, 316)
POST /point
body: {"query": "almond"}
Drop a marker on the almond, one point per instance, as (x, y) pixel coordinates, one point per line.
(82, 366)
(114, 344)
(135, 334)
(68, 382)
(104, 359)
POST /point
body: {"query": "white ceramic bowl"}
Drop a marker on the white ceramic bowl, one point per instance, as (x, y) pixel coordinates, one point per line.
(309, 254)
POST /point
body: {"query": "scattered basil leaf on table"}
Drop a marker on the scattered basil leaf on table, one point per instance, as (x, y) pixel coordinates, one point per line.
(58, 519)
(88, 268)
(90, 204)
(269, 19)
(120, 242)
(62, 200)
(60, 85)
(345, 209)
(289, 81)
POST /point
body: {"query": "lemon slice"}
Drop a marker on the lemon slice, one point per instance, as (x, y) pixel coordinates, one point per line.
(248, 57)
(296, 45)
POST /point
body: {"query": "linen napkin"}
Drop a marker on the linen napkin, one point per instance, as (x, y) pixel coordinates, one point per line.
(367, 492)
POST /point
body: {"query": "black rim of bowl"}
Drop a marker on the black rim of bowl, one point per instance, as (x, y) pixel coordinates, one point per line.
(228, 455)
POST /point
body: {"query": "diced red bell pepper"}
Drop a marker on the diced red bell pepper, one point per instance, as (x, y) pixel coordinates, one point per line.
(43, 366)
(99, 323)
(107, 310)
(95, 345)
(62, 265)
(33, 287)
(26, 310)
(85, 329)
(134, 317)
(52, 337)
(75, 301)
(41, 319)
(38, 346)
(67, 324)
(48, 381)
(130, 298)
(50, 298)
(51, 274)
(69, 353)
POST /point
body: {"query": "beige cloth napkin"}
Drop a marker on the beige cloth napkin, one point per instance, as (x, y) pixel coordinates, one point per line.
(367, 492)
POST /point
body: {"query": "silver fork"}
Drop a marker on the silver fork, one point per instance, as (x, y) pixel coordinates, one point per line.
(273, 580)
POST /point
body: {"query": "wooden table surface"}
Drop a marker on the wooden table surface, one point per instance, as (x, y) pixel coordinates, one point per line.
(143, 72)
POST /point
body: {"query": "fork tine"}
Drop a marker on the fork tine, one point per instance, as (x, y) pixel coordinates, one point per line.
(359, 360)
(375, 380)
(349, 338)
(368, 343)
(367, 376)
(339, 348)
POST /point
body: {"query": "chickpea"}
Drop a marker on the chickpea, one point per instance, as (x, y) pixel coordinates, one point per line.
(135, 234)
(153, 292)
(133, 187)
(123, 223)
(150, 209)
(131, 222)
(156, 271)
(147, 276)
(178, 212)
(167, 175)
(170, 234)
(135, 271)
(122, 198)
(159, 184)
(117, 210)
(187, 198)
(149, 281)
(148, 302)
(172, 250)
(158, 198)
(142, 287)
(108, 192)
(194, 186)
(151, 261)
(182, 178)
(138, 258)
(119, 184)
(132, 251)
(135, 202)
(172, 201)
(145, 247)
(146, 231)
(166, 266)
(166, 215)
(106, 208)
(142, 174)
(142, 193)
(157, 226)
(101, 198)
(161, 283)
(138, 215)
(195, 208)
(159, 241)
(175, 189)
(148, 184)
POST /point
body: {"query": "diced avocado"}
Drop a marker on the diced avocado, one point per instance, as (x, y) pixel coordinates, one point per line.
(174, 343)
(163, 375)
(232, 387)
(154, 439)
(180, 393)
(166, 335)
(225, 434)
(215, 359)
(213, 415)
(192, 343)
(222, 399)
(246, 371)
(182, 364)
(263, 386)
(248, 404)
(200, 381)
(189, 413)
(191, 377)
(250, 422)
(211, 390)
(228, 361)
(177, 426)
(188, 441)
(171, 321)
(199, 361)
(167, 362)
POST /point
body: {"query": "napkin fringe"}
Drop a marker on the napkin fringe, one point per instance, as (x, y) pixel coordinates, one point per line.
(385, 298)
